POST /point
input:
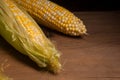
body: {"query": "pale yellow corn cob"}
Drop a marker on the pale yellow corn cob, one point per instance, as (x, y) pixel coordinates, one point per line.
(54, 16)
(22, 32)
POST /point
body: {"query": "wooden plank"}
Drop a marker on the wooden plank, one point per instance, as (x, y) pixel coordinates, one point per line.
(94, 57)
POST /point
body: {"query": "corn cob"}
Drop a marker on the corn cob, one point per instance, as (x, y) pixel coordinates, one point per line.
(23, 33)
(54, 16)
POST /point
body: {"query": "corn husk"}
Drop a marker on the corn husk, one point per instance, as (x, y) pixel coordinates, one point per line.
(38, 48)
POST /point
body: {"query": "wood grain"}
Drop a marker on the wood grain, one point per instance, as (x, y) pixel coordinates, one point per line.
(93, 57)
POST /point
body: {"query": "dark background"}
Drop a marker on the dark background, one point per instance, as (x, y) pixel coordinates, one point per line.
(89, 5)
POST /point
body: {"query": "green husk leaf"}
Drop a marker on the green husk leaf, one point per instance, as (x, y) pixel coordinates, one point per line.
(39, 49)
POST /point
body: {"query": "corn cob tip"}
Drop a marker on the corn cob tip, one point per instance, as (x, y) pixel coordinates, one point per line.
(54, 66)
(51, 64)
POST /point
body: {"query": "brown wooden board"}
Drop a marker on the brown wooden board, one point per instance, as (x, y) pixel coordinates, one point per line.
(93, 57)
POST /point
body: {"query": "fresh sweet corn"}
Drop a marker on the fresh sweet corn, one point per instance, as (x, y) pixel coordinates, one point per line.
(54, 16)
(23, 33)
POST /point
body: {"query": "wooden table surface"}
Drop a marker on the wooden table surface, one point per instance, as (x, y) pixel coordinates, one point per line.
(93, 57)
